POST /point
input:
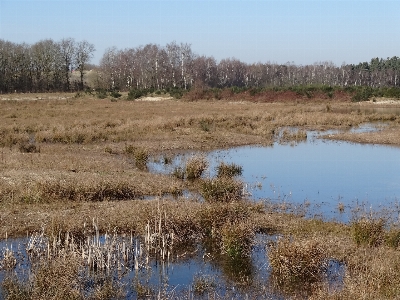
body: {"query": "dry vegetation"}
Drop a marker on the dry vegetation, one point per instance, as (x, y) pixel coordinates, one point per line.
(67, 161)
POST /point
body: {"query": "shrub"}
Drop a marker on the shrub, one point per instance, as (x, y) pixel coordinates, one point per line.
(136, 94)
(362, 94)
(115, 94)
(101, 94)
(222, 189)
(195, 167)
(229, 170)
(368, 232)
(177, 93)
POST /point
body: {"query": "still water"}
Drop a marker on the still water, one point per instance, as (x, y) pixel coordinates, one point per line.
(317, 173)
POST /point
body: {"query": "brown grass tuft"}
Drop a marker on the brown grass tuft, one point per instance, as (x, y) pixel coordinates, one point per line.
(222, 189)
(195, 167)
(294, 261)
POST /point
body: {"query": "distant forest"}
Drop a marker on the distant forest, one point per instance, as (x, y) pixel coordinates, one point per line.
(47, 66)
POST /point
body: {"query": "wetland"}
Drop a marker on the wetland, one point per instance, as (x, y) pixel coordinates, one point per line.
(92, 182)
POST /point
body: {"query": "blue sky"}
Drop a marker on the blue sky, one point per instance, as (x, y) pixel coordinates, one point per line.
(297, 31)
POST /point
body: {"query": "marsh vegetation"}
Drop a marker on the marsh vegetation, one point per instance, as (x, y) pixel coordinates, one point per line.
(75, 179)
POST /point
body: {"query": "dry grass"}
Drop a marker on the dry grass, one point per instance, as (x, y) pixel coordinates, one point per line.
(221, 189)
(294, 261)
(195, 167)
(229, 170)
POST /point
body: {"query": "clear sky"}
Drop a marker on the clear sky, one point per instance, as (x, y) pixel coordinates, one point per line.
(279, 31)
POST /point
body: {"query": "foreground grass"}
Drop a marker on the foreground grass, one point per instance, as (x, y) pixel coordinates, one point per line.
(68, 161)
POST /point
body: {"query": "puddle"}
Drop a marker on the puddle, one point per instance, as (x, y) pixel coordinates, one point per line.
(330, 178)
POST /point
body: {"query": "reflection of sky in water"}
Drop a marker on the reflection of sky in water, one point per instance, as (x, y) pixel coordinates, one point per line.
(321, 172)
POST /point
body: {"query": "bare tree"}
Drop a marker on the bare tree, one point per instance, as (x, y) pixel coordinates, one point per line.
(83, 54)
(67, 49)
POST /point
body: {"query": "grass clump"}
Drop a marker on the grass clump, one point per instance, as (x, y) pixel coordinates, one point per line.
(205, 125)
(293, 136)
(213, 216)
(140, 155)
(237, 239)
(179, 173)
(297, 261)
(229, 170)
(223, 189)
(368, 232)
(28, 147)
(392, 238)
(92, 191)
(195, 166)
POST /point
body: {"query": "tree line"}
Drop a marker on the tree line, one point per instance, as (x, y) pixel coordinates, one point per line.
(47, 66)
(43, 66)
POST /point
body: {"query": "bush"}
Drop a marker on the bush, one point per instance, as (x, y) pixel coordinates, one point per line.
(176, 92)
(362, 94)
(141, 156)
(115, 94)
(101, 94)
(136, 94)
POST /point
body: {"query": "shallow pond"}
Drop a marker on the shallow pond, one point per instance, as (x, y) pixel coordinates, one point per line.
(184, 274)
(316, 175)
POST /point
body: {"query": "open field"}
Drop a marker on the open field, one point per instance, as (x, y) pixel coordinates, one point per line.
(66, 161)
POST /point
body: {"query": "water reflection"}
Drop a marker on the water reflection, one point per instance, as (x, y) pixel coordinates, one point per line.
(234, 278)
